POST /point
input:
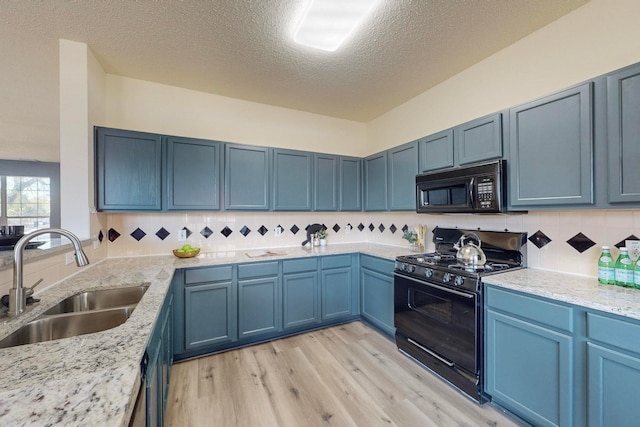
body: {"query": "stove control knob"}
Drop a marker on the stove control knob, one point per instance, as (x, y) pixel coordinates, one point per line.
(403, 266)
(446, 278)
(459, 280)
(411, 268)
(428, 272)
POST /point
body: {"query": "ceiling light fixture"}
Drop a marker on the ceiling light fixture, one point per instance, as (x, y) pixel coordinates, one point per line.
(327, 23)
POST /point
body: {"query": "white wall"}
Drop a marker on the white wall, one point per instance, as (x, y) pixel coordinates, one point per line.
(596, 38)
(145, 106)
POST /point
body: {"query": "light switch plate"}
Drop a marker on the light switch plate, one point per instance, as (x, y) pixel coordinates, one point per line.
(277, 231)
(182, 235)
(634, 248)
(69, 258)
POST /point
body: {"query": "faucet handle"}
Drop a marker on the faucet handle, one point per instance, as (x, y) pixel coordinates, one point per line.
(29, 291)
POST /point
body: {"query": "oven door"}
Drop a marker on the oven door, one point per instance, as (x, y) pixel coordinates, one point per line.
(441, 322)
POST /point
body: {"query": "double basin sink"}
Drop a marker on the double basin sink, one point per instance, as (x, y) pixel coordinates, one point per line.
(79, 314)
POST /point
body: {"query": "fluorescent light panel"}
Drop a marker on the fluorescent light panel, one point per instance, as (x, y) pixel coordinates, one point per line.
(327, 23)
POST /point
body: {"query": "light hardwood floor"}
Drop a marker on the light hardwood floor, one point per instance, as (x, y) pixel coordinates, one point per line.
(348, 375)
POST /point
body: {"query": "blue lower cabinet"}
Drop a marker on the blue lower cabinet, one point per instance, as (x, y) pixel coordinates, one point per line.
(209, 315)
(530, 370)
(300, 299)
(259, 306)
(336, 293)
(376, 292)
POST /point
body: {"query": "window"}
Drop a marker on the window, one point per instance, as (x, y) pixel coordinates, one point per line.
(28, 201)
(29, 194)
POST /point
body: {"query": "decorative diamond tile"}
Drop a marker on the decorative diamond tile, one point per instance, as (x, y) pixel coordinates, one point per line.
(336, 228)
(113, 235)
(405, 228)
(162, 233)
(360, 227)
(245, 230)
(294, 229)
(100, 236)
(539, 239)
(580, 242)
(226, 231)
(622, 243)
(187, 231)
(371, 227)
(206, 232)
(393, 229)
(263, 230)
(138, 234)
(381, 228)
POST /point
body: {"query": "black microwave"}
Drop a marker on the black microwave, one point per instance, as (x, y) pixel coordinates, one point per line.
(477, 188)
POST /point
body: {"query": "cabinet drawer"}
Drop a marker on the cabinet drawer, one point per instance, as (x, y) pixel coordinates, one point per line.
(618, 332)
(299, 265)
(259, 269)
(208, 274)
(336, 261)
(377, 264)
(532, 308)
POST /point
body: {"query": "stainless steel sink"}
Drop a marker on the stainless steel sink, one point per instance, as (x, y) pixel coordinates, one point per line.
(53, 327)
(97, 300)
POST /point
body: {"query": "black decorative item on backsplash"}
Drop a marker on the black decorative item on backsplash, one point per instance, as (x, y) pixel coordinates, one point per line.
(312, 229)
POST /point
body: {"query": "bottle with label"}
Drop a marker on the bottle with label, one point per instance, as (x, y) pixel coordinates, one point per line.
(606, 267)
(636, 274)
(624, 269)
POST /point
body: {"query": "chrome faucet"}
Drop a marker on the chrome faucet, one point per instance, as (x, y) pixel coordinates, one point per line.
(18, 294)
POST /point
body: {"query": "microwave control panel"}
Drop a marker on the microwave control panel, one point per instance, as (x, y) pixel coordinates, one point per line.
(486, 191)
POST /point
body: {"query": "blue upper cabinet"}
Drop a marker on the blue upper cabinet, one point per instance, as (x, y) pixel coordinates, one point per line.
(375, 182)
(292, 180)
(623, 112)
(403, 168)
(326, 182)
(247, 177)
(551, 145)
(436, 151)
(193, 174)
(128, 170)
(479, 140)
(350, 184)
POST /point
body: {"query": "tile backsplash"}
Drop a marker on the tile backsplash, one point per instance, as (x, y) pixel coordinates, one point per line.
(567, 241)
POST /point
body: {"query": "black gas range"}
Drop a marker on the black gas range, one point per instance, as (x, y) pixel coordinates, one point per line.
(438, 304)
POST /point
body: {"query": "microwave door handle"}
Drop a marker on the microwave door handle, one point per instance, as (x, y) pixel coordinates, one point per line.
(472, 184)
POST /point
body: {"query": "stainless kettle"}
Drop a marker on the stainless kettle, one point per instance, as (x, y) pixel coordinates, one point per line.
(469, 254)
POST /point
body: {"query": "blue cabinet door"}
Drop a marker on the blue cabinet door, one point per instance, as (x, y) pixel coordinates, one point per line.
(128, 170)
(529, 370)
(326, 182)
(259, 306)
(479, 140)
(623, 110)
(210, 313)
(614, 384)
(551, 145)
(436, 151)
(292, 180)
(375, 182)
(193, 174)
(350, 183)
(376, 299)
(403, 168)
(247, 177)
(336, 293)
(300, 299)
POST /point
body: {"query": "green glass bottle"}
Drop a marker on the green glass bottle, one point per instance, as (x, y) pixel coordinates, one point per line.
(606, 267)
(624, 269)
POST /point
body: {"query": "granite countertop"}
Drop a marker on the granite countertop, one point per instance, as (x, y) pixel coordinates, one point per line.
(94, 379)
(578, 290)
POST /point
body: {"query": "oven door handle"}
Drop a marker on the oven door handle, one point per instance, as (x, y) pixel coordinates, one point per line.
(426, 350)
(442, 288)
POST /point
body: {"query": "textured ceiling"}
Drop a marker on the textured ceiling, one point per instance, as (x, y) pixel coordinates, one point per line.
(243, 49)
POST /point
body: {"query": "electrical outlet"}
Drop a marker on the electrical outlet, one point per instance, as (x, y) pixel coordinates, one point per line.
(634, 248)
(348, 228)
(277, 231)
(96, 244)
(69, 258)
(182, 235)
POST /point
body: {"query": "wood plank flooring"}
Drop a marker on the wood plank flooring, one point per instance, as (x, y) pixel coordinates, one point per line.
(348, 375)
